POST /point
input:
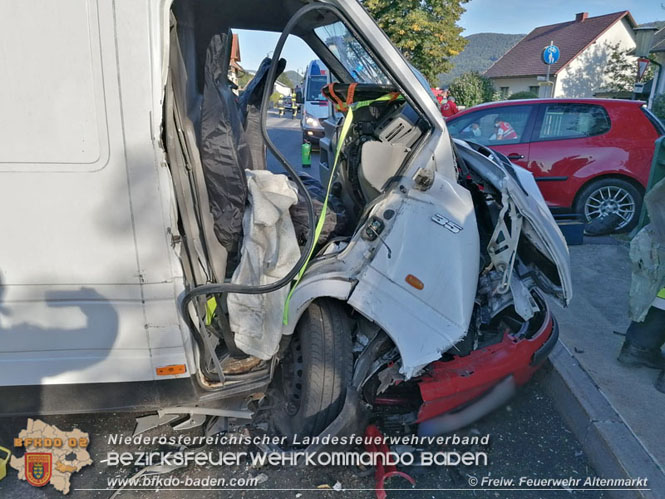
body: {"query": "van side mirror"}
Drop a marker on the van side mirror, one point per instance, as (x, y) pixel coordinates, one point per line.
(299, 99)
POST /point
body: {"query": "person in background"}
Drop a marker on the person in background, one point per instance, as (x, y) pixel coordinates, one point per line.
(448, 106)
(644, 339)
(473, 129)
(503, 130)
(645, 336)
(438, 93)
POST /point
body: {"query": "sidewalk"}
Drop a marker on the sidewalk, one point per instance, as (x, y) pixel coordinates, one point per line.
(615, 411)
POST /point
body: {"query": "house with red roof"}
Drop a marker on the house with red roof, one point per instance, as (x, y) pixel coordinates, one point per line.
(585, 45)
(234, 64)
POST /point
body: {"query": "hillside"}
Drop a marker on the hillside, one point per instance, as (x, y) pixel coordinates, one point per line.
(294, 77)
(481, 51)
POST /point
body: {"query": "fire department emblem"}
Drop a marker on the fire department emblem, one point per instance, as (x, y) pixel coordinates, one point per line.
(38, 468)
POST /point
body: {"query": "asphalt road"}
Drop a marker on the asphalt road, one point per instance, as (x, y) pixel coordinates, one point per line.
(286, 135)
(527, 438)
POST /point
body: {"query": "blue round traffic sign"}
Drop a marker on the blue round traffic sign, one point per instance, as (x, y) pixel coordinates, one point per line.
(551, 54)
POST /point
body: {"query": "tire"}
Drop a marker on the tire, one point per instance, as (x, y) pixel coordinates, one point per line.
(315, 371)
(610, 195)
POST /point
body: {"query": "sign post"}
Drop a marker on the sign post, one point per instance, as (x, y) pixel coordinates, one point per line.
(642, 65)
(550, 56)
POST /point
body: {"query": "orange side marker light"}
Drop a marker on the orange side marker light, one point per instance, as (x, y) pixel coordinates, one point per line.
(414, 281)
(171, 370)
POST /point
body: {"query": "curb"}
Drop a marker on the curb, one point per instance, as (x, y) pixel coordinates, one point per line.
(611, 446)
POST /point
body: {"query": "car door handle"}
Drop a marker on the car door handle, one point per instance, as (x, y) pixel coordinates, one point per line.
(515, 156)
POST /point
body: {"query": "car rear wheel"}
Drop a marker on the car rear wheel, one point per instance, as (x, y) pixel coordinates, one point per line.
(315, 371)
(611, 195)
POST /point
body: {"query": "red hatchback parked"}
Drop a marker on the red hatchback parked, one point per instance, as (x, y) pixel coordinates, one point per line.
(590, 156)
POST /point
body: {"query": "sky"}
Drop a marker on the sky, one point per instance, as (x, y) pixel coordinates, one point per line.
(481, 16)
(521, 16)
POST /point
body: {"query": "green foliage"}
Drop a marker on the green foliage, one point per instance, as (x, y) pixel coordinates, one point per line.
(523, 95)
(284, 80)
(658, 107)
(472, 88)
(621, 70)
(295, 77)
(244, 78)
(482, 50)
(424, 30)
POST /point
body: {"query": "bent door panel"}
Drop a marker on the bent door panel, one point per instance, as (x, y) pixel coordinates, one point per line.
(421, 284)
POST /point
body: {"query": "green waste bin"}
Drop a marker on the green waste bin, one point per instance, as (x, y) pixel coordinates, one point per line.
(306, 153)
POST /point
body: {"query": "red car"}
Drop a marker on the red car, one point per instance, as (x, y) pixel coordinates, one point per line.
(589, 156)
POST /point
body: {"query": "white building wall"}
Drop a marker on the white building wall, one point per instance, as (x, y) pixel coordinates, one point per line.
(514, 85)
(584, 75)
(282, 89)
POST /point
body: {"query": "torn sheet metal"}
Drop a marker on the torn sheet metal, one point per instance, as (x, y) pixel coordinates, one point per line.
(427, 320)
(269, 251)
(538, 224)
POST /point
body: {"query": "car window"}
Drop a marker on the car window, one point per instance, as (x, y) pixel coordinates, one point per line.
(570, 120)
(492, 126)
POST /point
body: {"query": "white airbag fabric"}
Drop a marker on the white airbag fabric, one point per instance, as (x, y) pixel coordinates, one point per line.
(269, 251)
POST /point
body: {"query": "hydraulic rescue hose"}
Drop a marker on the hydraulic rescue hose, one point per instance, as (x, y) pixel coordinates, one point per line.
(226, 287)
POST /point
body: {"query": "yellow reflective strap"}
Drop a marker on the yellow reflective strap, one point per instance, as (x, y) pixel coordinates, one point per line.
(661, 293)
(3, 462)
(322, 217)
(211, 306)
(348, 120)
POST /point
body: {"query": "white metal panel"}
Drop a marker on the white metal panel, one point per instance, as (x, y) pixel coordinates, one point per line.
(88, 279)
(425, 322)
(89, 366)
(51, 95)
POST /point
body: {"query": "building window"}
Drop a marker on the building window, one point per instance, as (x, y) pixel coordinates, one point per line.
(504, 92)
(573, 120)
(534, 89)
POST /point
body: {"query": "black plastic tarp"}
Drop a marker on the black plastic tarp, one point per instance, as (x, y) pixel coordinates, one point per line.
(225, 153)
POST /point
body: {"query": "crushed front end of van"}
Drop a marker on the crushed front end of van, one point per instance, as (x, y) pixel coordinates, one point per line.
(410, 283)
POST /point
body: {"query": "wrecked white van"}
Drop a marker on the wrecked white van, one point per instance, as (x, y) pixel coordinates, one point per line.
(127, 169)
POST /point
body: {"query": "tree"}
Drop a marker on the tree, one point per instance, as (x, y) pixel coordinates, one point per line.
(424, 30)
(621, 70)
(472, 88)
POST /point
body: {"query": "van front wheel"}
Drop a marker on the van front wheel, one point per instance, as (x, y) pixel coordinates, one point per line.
(315, 371)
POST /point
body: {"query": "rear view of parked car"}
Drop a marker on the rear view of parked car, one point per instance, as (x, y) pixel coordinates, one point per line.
(589, 156)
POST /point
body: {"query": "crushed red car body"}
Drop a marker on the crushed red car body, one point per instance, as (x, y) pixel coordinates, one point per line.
(456, 384)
